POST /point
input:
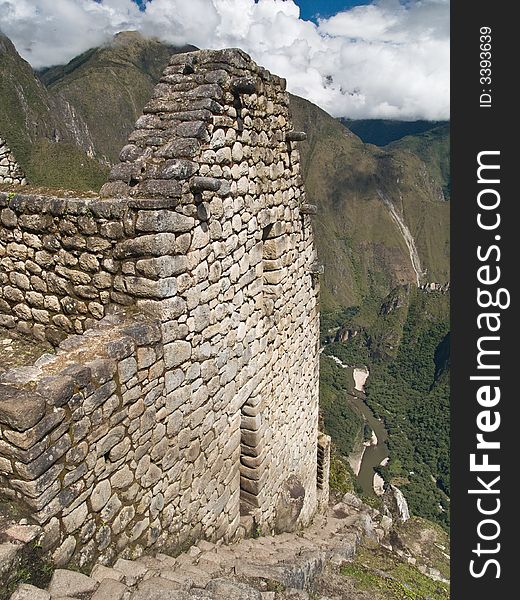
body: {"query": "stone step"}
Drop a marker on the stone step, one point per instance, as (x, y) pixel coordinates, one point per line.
(186, 560)
(133, 572)
(66, 583)
(157, 588)
(109, 589)
(210, 566)
(199, 577)
(166, 559)
(205, 546)
(209, 571)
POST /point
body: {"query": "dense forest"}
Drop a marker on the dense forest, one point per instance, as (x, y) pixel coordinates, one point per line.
(406, 348)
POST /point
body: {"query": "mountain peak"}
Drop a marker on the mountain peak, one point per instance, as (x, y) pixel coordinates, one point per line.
(128, 36)
(6, 45)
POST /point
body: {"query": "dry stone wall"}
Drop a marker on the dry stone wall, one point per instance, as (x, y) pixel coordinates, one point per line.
(10, 170)
(58, 271)
(207, 407)
(104, 458)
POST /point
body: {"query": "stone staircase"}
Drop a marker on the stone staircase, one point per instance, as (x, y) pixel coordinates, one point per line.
(268, 568)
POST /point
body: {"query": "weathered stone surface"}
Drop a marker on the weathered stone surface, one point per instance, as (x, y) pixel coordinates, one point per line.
(233, 590)
(56, 390)
(160, 244)
(295, 136)
(8, 553)
(290, 505)
(177, 353)
(124, 172)
(130, 152)
(20, 409)
(309, 209)
(158, 588)
(110, 590)
(205, 184)
(132, 571)
(115, 189)
(30, 592)
(100, 495)
(28, 439)
(180, 148)
(100, 572)
(75, 519)
(35, 468)
(23, 533)
(186, 326)
(70, 583)
(162, 188)
(163, 220)
(177, 169)
(244, 85)
(122, 478)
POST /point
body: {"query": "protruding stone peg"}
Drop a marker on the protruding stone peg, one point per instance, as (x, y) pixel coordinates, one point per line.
(188, 69)
(317, 269)
(296, 136)
(308, 209)
(244, 85)
(205, 184)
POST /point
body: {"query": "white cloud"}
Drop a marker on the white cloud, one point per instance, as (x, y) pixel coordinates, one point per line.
(386, 59)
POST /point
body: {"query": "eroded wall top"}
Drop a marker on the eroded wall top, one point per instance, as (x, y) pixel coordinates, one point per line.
(205, 122)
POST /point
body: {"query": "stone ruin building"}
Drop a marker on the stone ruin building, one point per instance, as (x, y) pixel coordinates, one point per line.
(10, 170)
(181, 402)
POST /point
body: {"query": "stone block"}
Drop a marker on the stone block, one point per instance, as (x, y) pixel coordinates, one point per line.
(109, 589)
(160, 244)
(100, 573)
(205, 184)
(177, 169)
(179, 148)
(71, 583)
(163, 221)
(75, 519)
(30, 592)
(28, 439)
(176, 353)
(122, 478)
(41, 464)
(275, 248)
(20, 409)
(37, 487)
(132, 571)
(100, 495)
(148, 288)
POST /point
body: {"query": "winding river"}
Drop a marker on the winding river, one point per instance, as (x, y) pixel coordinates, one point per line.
(374, 454)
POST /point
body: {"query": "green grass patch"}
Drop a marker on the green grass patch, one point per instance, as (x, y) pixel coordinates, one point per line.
(377, 570)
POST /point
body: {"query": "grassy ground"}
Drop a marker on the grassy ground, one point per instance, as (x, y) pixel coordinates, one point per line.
(379, 570)
(17, 350)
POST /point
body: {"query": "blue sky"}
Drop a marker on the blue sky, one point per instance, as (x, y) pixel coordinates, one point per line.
(324, 8)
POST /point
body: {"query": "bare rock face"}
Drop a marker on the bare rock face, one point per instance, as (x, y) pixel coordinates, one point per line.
(396, 503)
